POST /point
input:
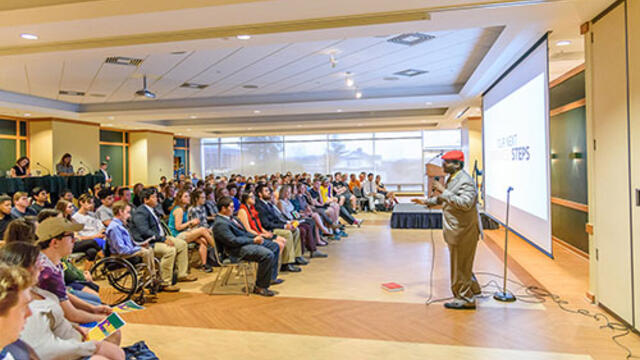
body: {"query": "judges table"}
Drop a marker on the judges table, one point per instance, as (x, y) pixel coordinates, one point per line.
(414, 216)
(53, 184)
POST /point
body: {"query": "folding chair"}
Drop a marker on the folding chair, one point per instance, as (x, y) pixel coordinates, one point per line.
(227, 266)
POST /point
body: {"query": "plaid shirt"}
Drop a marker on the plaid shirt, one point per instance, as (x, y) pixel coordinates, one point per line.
(200, 213)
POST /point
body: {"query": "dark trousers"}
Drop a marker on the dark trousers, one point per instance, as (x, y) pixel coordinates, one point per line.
(265, 259)
(88, 247)
(275, 249)
(346, 216)
(307, 236)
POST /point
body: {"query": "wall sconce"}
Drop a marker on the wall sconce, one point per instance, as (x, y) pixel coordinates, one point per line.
(575, 155)
(554, 156)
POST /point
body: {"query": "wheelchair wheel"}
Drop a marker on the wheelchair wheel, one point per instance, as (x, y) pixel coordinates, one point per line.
(120, 275)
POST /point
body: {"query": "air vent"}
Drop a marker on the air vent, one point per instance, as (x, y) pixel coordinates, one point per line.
(411, 39)
(98, 95)
(410, 72)
(71, 93)
(121, 60)
(178, 52)
(250, 86)
(194, 86)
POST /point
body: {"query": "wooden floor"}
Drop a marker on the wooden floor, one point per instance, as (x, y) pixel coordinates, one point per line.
(336, 309)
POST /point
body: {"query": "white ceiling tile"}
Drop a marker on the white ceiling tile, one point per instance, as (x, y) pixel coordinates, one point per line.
(110, 77)
(44, 77)
(13, 77)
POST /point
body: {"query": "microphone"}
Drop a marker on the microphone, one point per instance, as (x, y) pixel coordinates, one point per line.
(435, 157)
(86, 166)
(510, 189)
(42, 166)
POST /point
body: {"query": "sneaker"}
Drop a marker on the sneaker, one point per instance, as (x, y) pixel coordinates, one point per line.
(206, 268)
(343, 234)
(318, 254)
(187, 278)
(336, 237)
(169, 288)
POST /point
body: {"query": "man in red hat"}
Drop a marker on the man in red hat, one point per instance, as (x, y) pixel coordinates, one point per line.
(460, 227)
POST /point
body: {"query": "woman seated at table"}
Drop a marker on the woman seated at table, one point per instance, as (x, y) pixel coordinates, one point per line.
(64, 167)
(21, 168)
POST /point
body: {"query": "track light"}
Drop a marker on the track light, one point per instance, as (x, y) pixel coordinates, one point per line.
(349, 81)
(358, 94)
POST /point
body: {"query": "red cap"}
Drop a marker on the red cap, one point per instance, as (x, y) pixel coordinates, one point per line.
(453, 155)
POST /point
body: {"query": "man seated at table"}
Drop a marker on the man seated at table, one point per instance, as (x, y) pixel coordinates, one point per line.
(5, 213)
(104, 212)
(243, 245)
(21, 206)
(40, 199)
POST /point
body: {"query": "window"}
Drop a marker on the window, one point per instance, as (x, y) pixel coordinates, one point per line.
(443, 139)
(399, 161)
(306, 156)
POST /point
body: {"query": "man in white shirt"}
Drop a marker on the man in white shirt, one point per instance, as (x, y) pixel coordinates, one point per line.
(103, 171)
(370, 191)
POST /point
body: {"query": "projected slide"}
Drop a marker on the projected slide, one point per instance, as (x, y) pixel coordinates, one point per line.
(516, 147)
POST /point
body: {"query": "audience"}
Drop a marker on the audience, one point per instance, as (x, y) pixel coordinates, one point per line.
(5, 213)
(15, 296)
(65, 208)
(40, 199)
(244, 245)
(21, 229)
(189, 230)
(370, 191)
(146, 227)
(104, 212)
(21, 207)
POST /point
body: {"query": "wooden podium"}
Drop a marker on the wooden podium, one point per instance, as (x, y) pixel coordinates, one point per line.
(432, 171)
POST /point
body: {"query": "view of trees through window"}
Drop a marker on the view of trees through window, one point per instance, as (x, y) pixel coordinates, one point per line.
(396, 156)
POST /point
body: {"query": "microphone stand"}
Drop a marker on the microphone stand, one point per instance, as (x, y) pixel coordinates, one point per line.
(42, 166)
(86, 167)
(505, 295)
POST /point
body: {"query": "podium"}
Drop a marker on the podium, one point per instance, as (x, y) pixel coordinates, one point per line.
(432, 172)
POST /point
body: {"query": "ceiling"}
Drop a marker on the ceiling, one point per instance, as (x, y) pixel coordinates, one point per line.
(290, 76)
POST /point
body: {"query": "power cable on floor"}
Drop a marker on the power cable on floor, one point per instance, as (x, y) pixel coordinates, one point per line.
(536, 295)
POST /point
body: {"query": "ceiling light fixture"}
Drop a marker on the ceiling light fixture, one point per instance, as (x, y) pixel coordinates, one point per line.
(256, 111)
(563, 43)
(243, 37)
(144, 91)
(27, 114)
(108, 124)
(428, 103)
(349, 81)
(339, 110)
(29, 36)
(358, 94)
(193, 117)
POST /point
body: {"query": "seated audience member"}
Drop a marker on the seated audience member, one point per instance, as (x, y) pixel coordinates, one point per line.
(233, 193)
(271, 221)
(354, 182)
(248, 216)
(15, 296)
(93, 229)
(309, 233)
(239, 243)
(370, 191)
(342, 191)
(304, 207)
(68, 195)
(189, 230)
(55, 239)
(163, 181)
(124, 194)
(21, 168)
(119, 239)
(46, 330)
(210, 204)
(137, 188)
(64, 167)
(390, 196)
(95, 192)
(169, 193)
(47, 213)
(326, 191)
(65, 208)
(197, 209)
(40, 199)
(145, 226)
(21, 229)
(21, 206)
(104, 212)
(5, 213)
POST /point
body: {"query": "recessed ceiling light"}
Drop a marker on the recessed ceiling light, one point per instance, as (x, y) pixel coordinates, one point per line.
(27, 114)
(256, 111)
(193, 117)
(188, 129)
(428, 103)
(29, 36)
(339, 110)
(243, 37)
(108, 124)
(563, 43)
(349, 81)
(110, 117)
(358, 94)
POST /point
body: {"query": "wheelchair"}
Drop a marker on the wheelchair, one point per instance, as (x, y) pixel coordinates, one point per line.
(127, 276)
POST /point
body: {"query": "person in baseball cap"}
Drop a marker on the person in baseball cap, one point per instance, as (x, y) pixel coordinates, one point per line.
(460, 227)
(55, 227)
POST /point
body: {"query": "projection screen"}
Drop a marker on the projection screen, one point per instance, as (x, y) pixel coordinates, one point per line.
(516, 147)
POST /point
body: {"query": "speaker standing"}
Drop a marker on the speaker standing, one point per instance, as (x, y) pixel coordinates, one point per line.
(461, 228)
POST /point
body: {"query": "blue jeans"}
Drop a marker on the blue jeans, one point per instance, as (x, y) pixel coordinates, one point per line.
(265, 259)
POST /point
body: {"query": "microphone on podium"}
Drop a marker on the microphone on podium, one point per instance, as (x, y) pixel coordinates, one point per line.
(85, 166)
(44, 167)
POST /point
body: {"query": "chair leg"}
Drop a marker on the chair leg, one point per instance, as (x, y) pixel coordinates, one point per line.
(215, 282)
(246, 280)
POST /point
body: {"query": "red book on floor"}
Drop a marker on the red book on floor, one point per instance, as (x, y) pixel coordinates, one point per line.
(392, 287)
